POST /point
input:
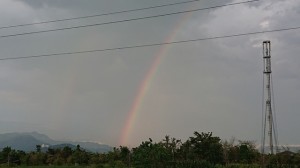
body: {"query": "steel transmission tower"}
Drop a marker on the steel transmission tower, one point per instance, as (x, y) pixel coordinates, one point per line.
(269, 118)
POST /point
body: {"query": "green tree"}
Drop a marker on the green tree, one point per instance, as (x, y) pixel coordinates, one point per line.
(207, 147)
(229, 151)
(66, 152)
(150, 154)
(80, 156)
(172, 145)
(247, 152)
(125, 155)
(5, 155)
(38, 148)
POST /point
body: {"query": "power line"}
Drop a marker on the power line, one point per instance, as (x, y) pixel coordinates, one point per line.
(97, 15)
(126, 20)
(151, 45)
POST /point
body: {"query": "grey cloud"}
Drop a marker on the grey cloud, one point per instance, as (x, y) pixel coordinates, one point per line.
(205, 86)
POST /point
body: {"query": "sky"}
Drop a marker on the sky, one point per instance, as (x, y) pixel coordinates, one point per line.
(124, 97)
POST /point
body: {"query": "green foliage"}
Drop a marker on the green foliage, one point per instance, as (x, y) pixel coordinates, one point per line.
(206, 147)
(243, 166)
(247, 152)
(200, 150)
(150, 154)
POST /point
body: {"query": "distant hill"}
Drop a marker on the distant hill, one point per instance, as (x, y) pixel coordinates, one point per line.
(19, 142)
(94, 147)
(28, 141)
(61, 146)
(291, 148)
(41, 137)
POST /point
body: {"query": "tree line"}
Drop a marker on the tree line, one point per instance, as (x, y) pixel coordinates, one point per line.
(200, 150)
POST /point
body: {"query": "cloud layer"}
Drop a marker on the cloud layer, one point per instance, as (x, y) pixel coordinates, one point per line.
(213, 85)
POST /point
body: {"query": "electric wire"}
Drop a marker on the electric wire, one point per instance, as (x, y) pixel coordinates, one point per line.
(151, 45)
(97, 15)
(125, 20)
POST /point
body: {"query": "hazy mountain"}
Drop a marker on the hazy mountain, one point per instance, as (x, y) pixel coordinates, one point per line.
(295, 149)
(42, 137)
(73, 147)
(291, 148)
(92, 146)
(19, 142)
(28, 141)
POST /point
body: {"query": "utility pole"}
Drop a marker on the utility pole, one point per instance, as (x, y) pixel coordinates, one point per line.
(268, 106)
(268, 119)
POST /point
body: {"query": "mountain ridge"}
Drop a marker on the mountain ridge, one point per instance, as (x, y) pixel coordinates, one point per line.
(27, 141)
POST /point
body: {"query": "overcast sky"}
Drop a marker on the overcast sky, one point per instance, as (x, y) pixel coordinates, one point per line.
(213, 85)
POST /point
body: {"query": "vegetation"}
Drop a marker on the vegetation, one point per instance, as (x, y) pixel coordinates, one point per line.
(200, 150)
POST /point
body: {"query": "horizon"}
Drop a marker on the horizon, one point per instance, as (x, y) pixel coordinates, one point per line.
(257, 145)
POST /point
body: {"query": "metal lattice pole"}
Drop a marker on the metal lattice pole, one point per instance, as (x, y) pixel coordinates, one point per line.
(268, 98)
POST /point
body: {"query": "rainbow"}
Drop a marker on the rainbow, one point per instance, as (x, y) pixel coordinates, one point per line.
(146, 83)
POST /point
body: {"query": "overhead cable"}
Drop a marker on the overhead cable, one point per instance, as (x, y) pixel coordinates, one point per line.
(150, 45)
(125, 20)
(97, 15)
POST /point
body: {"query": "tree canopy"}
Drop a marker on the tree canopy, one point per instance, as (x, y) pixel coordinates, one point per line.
(200, 150)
